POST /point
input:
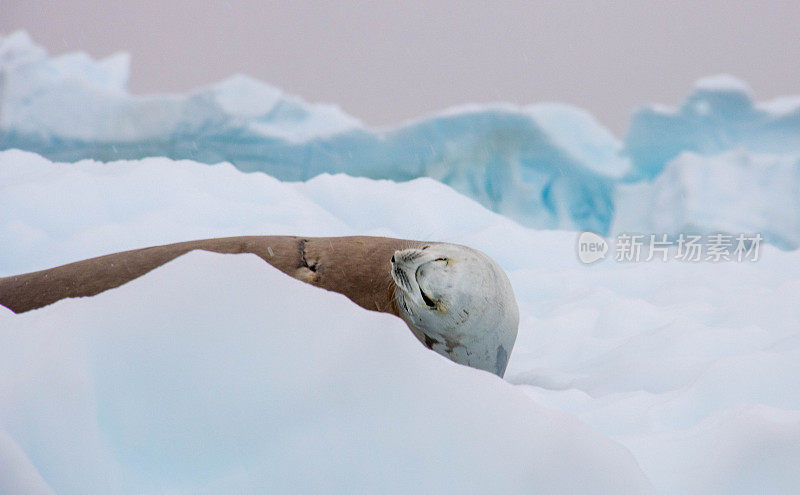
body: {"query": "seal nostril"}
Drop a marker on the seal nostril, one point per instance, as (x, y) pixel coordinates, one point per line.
(392, 258)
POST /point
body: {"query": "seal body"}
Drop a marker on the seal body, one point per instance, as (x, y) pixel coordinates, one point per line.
(356, 266)
(473, 320)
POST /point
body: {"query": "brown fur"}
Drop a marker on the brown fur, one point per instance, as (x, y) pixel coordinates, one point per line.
(357, 267)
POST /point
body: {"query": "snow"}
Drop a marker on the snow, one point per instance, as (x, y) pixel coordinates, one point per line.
(220, 374)
(677, 375)
(722, 83)
(17, 473)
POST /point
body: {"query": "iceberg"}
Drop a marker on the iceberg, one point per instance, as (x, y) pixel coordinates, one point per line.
(74, 101)
(718, 116)
(734, 192)
(720, 163)
(546, 166)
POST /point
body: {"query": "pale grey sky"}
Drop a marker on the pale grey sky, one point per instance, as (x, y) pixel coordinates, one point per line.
(384, 62)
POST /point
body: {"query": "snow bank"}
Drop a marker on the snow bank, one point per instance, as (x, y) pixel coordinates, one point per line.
(219, 374)
(17, 474)
(690, 366)
(53, 213)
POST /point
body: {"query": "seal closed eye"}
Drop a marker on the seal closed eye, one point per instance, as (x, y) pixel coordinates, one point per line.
(427, 299)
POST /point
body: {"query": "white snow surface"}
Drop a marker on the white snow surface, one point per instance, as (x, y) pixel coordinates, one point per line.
(218, 374)
(723, 83)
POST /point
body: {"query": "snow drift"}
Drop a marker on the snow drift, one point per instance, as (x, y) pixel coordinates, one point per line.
(219, 374)
(215, 372)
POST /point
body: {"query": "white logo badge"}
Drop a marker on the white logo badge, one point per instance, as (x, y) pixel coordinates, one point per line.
(591, 247)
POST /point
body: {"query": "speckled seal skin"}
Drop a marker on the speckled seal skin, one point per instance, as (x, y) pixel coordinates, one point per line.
(472, 317)
(458, 302)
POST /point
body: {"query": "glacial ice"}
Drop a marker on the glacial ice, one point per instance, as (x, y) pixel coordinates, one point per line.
(548, 166)
(529, 163)
(732, 192)
(235, 377)
(719, 116)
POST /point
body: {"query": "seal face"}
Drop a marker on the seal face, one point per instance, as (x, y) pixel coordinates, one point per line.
(459, 302)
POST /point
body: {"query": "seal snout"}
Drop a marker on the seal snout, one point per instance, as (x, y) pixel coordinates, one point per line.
(401, 268)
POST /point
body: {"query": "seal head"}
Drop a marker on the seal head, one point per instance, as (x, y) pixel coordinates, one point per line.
(459, 302)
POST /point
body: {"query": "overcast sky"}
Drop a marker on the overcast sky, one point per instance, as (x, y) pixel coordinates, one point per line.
(384, 62)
